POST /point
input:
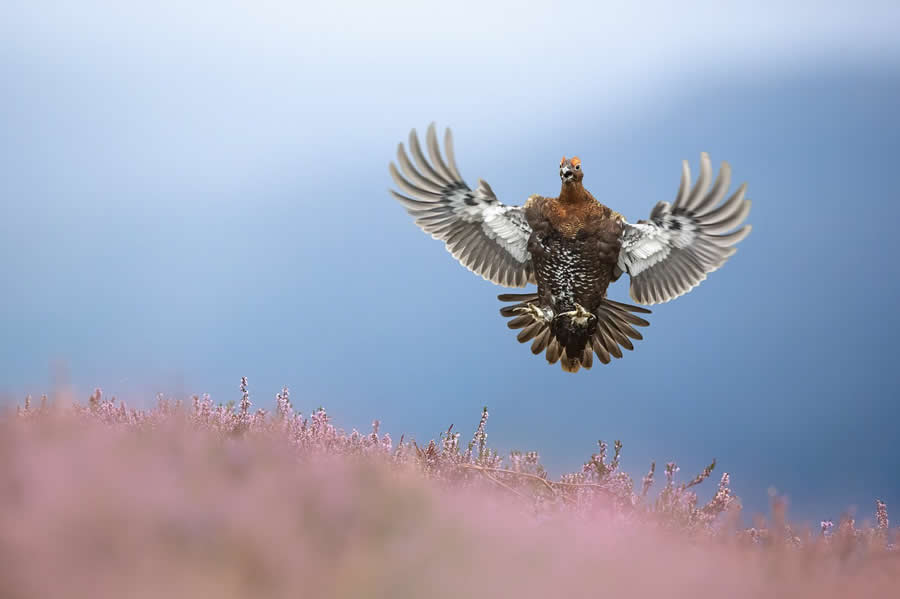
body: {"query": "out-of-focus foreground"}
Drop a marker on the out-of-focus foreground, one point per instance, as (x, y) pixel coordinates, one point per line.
(205, 500)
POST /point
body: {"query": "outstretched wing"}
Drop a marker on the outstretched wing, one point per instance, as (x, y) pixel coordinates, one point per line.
(487, 237)
(673, 252)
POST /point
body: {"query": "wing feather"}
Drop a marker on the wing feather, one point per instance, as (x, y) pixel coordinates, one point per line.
(699, 190)
(434, 152)
(451, 159)
(410, 171)
(681, 244)
(416, 151)
(685, 186)
(410, 188)
(729, 220)
(723, 181)
(484, 235)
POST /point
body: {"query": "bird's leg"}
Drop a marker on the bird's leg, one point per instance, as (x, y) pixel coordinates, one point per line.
(536, 312)
(579, 315)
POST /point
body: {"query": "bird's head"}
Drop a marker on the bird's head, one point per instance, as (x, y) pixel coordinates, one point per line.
(570, 170)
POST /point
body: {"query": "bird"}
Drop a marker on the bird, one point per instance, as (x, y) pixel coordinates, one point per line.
(573, 247)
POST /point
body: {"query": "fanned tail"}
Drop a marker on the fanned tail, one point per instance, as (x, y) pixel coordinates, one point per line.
(615, 329)
(570, 341)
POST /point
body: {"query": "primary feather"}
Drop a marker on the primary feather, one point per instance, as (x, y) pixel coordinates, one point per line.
(486, 236)
(681, 244)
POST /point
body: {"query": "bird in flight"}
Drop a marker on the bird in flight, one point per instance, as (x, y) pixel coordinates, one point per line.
(573, 247)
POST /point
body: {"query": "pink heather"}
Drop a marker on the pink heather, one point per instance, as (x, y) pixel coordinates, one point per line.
(197, 500)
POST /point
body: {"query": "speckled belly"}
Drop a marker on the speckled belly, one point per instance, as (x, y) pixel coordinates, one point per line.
(569, 271)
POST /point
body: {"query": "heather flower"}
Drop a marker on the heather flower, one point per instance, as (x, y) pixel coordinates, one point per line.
(243, 419)
(283, 405)
(722, 500)
(702, 476)
(881, 515)
(598, 490)
(479, 439)
(647, 481)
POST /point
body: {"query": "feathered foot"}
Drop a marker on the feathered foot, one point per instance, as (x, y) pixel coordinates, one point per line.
(579, 315)
(542, 315)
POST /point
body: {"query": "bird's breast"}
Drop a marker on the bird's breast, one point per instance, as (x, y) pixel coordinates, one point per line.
(570, 270)
(569, 219)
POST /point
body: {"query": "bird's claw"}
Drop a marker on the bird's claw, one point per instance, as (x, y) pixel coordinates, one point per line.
(579, 315)
(536, 312)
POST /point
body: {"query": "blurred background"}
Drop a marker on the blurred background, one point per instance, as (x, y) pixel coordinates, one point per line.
(192, 192)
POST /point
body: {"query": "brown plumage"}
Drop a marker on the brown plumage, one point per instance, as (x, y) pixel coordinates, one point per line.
(573, 247)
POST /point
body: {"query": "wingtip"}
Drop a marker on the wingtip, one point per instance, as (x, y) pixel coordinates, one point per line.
(448, 141)
(431, 135)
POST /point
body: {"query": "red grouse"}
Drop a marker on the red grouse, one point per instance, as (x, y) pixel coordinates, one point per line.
(573, 247)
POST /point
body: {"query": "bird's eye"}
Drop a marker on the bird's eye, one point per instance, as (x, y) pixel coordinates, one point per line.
(577, 167)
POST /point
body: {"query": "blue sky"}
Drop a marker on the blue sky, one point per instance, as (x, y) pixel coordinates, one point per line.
(192, 194)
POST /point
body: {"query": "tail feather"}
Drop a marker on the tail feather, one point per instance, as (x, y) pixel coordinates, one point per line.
(562, 341)
(609, 327)
(529, 332)
(570, 364)
(625, 315)
(509, 311)
(541, 341)
(520, 322)
(519, 297)
(608, 342)
(587, 357)
(600, 350)
(626, 307)
(554, 351)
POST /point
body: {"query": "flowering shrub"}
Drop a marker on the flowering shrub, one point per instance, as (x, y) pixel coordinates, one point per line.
(205, 499)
